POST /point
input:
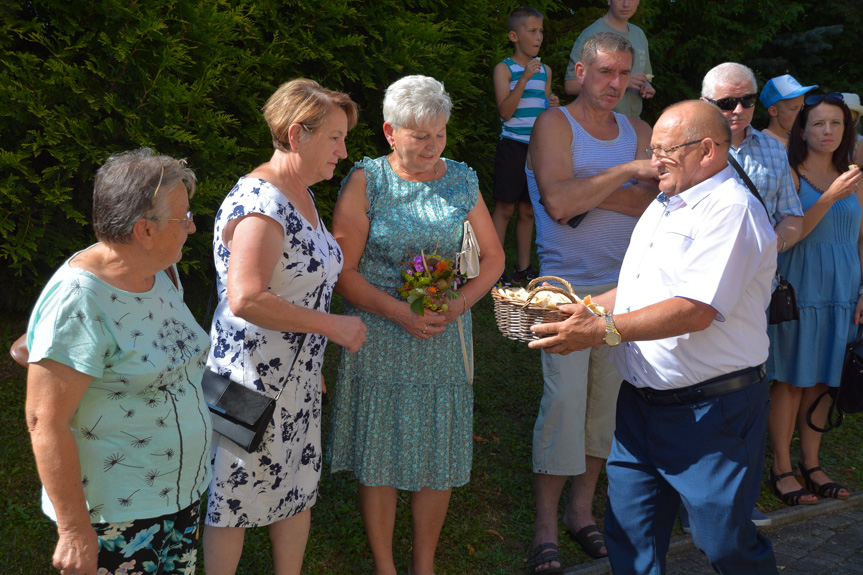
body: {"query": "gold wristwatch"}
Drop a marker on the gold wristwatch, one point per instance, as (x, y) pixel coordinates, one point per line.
(612, 336)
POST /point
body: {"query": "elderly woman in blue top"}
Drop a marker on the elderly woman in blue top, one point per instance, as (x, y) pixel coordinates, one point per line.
(119, 426)
(403, 409)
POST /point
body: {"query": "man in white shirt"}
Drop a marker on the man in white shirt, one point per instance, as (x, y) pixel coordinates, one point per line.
(689, 309)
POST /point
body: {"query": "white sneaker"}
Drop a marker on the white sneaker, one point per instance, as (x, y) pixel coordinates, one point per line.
(760, 519)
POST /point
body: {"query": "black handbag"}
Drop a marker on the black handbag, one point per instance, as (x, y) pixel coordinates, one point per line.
(848, 397)
(239, 413)
(783, 301)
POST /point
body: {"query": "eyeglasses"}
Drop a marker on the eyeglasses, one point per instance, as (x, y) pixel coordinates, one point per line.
(729, 104)
(159, 185)
(832, 98)
(187, 221)
(661, 152)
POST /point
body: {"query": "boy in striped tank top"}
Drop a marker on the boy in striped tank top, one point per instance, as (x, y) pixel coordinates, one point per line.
(522, 89)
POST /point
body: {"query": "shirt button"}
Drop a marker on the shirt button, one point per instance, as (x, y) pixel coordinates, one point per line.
(650, 245)
(666, 213)
(637, 276)
(627, 310)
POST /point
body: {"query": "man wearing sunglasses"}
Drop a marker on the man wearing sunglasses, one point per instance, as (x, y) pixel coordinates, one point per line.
(733, 89)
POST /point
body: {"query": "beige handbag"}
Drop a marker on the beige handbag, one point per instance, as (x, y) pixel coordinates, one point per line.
(467, 260)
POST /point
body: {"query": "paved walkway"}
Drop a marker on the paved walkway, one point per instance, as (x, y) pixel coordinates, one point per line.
(822, 539)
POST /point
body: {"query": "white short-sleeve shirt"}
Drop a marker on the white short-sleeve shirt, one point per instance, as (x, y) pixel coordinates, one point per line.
(712, 243)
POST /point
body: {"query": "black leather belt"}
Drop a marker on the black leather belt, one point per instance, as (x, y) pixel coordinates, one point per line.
(701, 391)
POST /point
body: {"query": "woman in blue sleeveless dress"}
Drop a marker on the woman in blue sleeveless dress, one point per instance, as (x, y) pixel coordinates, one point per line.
(402, 415)
(824, 267)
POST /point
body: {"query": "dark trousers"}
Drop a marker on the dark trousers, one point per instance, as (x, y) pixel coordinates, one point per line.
(711, 453)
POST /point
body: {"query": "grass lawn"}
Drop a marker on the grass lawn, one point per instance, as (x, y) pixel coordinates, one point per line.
(490, 522)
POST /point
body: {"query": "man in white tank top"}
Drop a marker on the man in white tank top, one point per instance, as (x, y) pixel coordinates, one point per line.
(589, 180)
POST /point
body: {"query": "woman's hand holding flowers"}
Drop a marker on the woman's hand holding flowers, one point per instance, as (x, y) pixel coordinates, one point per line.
(429, 291)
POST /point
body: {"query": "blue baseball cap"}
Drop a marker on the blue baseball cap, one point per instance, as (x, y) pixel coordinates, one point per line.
(782, 88)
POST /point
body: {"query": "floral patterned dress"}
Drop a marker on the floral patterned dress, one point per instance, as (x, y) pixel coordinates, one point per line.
(280, 479)
(403, 408)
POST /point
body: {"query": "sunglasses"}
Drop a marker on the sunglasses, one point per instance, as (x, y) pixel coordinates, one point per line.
(729, 104)
(832, 98)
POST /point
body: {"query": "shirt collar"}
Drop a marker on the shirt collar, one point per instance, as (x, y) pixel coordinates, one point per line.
(698, 192)
(751, 134)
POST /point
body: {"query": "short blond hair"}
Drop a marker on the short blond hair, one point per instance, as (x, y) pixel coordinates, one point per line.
(305, 102)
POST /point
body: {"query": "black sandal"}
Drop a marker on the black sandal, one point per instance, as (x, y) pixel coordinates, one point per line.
(831, 489)
(545, 553)
(792, 497)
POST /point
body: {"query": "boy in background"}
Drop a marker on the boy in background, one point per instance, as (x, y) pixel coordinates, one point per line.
(522, 89)
(783, 98)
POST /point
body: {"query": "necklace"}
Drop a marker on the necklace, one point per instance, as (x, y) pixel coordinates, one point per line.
(808, 181)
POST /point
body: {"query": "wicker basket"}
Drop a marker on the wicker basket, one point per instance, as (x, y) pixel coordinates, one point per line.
(514, 317)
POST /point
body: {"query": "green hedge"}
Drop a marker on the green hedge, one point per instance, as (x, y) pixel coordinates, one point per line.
(79, 81)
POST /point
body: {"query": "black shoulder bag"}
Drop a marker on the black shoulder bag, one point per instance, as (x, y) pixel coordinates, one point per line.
(239, 413)
(783, 302)
(848, 397)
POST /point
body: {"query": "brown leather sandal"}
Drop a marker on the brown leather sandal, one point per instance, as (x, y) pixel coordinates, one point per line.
(591, 540)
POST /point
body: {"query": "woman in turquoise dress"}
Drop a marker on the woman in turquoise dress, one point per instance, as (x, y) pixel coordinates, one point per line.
(824, 268)
(402, 415)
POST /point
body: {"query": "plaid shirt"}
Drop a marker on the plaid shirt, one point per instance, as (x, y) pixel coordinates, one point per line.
(765, 161)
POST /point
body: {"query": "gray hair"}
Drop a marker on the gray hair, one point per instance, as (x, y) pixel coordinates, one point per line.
(607, 42)
(126, 191)
(416, 100)
(725, 74)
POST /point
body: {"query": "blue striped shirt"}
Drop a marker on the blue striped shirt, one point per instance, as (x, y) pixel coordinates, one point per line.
(533, 102)
(591, 253)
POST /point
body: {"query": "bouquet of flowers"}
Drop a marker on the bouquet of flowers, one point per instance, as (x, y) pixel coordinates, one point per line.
(429, 281)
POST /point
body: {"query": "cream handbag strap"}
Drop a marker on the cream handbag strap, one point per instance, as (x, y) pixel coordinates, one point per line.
(468, 364)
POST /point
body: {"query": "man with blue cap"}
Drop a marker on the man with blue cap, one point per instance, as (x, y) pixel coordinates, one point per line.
(783, 98)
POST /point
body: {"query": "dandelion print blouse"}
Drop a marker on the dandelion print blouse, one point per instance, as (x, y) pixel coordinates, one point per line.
(142, 427)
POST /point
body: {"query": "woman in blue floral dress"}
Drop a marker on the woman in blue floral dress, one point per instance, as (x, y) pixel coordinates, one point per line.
(275, 260)
(402, 416)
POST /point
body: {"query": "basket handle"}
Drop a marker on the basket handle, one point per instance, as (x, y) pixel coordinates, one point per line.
(573, 298)
(536, 281)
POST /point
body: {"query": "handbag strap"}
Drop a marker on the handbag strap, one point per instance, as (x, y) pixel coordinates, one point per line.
(300, 346)
(746, 180)
(468, 365)
(835, 416)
